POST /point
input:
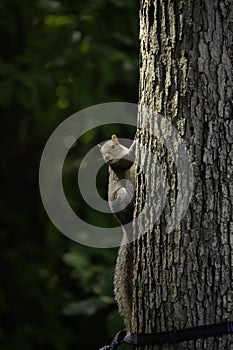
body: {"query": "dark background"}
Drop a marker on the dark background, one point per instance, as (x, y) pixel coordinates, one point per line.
(57, 57)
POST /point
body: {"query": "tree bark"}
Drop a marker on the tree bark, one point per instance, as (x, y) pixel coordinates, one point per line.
(184, 278)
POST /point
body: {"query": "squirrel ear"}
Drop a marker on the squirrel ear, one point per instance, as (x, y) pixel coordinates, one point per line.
(99, 146)
(115, 139)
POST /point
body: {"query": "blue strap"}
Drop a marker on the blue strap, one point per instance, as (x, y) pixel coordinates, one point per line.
(170, 337)
(180, 335)
(117, 340)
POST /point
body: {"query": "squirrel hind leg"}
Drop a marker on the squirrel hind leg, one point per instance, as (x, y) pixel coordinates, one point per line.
(122, 199)
(122, 206)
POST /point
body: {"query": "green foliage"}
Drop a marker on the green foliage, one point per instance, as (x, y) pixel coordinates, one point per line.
(57, 57)
(91, 276)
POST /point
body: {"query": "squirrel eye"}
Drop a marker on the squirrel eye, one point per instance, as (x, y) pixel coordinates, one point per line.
(113, 146)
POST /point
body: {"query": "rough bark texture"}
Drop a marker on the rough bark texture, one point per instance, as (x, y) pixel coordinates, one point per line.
(184, 278)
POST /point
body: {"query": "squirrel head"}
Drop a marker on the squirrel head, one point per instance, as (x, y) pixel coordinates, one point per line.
(112, 150)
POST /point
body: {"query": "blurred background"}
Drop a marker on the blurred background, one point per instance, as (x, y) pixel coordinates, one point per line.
(57, 57)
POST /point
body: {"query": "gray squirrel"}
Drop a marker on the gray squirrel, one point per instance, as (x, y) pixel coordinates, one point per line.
(121, 193)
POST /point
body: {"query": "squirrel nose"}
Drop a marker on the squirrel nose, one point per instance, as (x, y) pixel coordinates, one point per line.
(107, 157)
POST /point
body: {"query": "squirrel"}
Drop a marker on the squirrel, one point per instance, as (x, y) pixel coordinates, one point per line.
(121, 194)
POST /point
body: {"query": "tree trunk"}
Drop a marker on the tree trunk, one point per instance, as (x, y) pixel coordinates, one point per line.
(184, 278)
